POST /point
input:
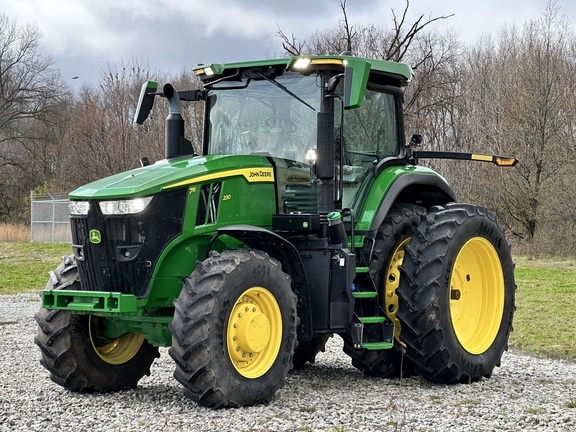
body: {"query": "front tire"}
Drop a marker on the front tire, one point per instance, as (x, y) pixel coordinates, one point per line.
(75, 354)
(234, 329)
(456, 294)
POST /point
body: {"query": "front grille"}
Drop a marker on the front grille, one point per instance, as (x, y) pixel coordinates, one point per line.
(127, 254)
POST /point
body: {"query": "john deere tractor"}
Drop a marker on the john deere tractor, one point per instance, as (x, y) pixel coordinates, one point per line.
(307, 215)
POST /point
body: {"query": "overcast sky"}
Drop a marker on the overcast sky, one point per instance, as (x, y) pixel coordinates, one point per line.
(85, 36)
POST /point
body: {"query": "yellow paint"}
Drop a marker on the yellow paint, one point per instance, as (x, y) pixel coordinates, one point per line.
(391, 284)
(477, 295)
(252, 175)
(118, 351)
(254, 332)
(484, 158)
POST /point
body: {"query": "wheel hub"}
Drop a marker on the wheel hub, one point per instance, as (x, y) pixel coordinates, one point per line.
(254, 332)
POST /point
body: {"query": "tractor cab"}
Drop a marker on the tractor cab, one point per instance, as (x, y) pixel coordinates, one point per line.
(275, 111)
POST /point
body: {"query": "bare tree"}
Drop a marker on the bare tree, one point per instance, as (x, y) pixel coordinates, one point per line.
(31, 92)
(519, 98)
(102, 135)
(362, 40)
(105, 139)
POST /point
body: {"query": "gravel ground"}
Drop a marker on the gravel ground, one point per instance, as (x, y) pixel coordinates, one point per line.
(526, 393)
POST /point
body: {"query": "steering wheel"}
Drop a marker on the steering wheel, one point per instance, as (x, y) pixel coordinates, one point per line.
(287, 125)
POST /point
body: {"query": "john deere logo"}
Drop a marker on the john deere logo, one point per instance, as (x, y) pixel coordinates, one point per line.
(95, 236)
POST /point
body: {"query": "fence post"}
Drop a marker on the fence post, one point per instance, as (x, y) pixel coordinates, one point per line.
(53, 217)
(31, 215)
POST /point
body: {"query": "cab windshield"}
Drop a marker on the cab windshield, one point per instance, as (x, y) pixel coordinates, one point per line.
(259, 116)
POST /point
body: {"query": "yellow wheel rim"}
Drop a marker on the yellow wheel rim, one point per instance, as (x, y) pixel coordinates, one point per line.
(391, 284)
(254, 332)
(118, 351)
(477, 295)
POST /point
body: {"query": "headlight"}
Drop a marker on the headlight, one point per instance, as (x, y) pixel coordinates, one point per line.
(79, 208)
(124, 207)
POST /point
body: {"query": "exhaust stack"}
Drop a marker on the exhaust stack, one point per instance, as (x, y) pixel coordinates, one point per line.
(175, 143)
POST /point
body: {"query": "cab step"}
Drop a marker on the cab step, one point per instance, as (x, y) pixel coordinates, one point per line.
(375, 346)
(372, 320)
(364, 294)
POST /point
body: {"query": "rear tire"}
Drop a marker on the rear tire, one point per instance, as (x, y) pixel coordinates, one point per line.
(76, 357)
(456, 294)
(386, 255)
(234, 329)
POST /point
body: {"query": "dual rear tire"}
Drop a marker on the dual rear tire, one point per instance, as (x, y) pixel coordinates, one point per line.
(447, 278)
(456, 294)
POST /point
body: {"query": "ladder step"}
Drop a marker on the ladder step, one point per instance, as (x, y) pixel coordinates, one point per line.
(364, 294)
(362, 270)
(374, 346)
(372, 319)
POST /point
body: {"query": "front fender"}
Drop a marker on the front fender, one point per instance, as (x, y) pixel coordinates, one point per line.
(286, 253)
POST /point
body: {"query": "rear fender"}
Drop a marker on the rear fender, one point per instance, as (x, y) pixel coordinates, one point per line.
(416, 185)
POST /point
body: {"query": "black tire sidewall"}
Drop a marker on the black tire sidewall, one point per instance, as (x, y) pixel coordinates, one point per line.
(397, 232)
(252, 273)
(482, 363)
(424, 294)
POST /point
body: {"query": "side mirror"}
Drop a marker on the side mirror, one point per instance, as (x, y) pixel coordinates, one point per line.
(416, 140)
(145, 101)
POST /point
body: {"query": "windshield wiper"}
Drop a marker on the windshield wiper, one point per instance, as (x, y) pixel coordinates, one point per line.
(281, 87)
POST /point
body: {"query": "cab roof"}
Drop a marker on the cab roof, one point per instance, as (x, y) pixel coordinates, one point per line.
(392, 73)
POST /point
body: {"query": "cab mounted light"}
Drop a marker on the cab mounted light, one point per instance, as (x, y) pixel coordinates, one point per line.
(303, 63)
(204, 71)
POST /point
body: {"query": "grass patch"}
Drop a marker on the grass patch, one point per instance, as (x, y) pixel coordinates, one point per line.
(24, 267)
(544, 323)
(14, 233)
(535, 410)
(307, 408)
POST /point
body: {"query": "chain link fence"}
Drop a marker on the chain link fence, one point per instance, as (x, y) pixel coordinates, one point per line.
(49, 218)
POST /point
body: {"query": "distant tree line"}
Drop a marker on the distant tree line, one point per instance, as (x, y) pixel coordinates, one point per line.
(511, 93)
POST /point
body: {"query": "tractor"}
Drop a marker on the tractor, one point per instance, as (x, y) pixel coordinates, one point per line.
(306, 215)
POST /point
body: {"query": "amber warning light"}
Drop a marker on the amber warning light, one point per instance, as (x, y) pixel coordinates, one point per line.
(505, 161)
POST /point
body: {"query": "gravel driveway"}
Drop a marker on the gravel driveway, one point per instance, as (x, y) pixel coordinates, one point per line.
(526, 393)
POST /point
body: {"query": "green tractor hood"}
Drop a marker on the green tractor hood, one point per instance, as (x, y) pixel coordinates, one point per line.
(172, 174)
